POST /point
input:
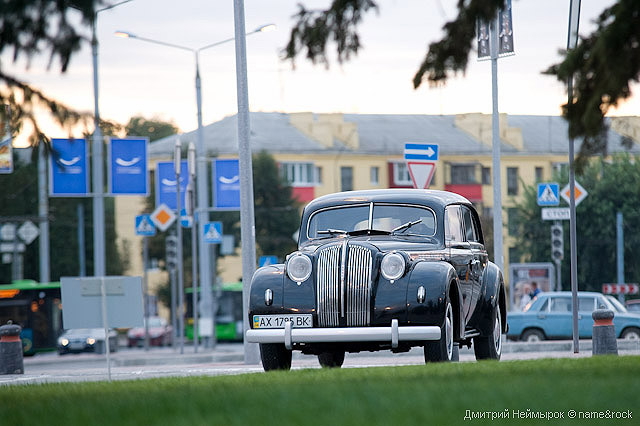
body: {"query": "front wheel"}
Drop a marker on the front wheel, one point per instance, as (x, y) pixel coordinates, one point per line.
(332, 359)
(442, 350)
(275, 356)
(490, 347)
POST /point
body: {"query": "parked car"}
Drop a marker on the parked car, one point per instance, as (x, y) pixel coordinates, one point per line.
(633, 305)
(160, 333)
(549, 316)
(86, 340)
(380, 269)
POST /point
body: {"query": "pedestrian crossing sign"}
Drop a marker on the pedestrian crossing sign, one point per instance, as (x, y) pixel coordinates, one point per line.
(548, 194)
(144, 226)
(213, 232)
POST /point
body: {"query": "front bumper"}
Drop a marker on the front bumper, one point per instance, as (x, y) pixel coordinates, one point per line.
(393, 334)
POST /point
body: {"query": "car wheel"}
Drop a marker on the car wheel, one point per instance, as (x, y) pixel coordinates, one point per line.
(631, 334)
(333, 359)
(532, 335)
(490, 347)
(442, 350)
(275, 356)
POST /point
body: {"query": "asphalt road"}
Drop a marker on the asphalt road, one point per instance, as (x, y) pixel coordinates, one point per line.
(134, 364)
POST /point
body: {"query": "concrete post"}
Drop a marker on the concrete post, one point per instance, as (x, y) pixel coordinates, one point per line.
(604, 333)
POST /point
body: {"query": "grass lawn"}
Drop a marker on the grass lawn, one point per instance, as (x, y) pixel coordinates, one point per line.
(436, 394)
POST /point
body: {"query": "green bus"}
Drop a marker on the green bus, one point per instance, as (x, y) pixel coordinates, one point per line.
(228, 315)
(37, 308)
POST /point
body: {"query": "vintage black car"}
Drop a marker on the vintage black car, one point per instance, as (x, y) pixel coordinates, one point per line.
(381, 269)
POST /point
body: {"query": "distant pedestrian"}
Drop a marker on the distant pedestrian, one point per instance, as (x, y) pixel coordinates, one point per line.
(535, 291)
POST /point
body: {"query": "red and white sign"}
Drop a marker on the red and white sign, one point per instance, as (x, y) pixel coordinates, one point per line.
(620, 288)
(421, 174)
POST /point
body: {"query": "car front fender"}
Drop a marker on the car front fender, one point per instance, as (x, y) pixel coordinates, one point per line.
(268, 277)
(491, 294)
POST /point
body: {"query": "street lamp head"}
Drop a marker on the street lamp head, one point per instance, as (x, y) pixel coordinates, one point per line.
(265, 28)
(124, 34)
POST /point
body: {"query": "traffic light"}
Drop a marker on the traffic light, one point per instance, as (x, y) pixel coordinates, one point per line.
(171, 250)
(557, 243)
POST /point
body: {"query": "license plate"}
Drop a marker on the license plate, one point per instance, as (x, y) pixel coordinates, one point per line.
(278, 321)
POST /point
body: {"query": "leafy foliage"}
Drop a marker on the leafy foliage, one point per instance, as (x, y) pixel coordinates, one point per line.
(31, 27)
(613, 187)
(604, 63)
(153, 128)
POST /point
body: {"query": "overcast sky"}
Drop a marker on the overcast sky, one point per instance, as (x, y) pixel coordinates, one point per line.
(141, 78)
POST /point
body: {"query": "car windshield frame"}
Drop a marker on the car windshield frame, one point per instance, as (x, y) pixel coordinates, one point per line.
(370, 218)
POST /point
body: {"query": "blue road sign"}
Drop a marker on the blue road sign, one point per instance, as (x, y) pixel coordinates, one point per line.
(128, 167)
(213, 232)
(6, 155)
(226, 187)
(185, 220)
(69, 168)
(267, 260)
(548, 194)
(421, 152)
(145, 226)
(166, 183)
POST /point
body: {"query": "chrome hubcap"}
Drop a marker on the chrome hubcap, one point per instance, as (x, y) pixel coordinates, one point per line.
(497, 332)
(448, 327)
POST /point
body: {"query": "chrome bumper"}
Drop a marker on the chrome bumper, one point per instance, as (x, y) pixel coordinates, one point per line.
(393, 334)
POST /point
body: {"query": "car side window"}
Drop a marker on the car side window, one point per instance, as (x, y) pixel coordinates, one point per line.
(453, 224)
(586, 304)
(469, 226)
(561, 304)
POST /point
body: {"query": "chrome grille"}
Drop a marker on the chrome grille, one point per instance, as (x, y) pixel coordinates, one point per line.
(349, 295)
(328, 286)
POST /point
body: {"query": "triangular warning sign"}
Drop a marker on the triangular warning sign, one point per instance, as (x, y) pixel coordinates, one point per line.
(145, 225)
(421, 173)
(548, 196)
(212, 234)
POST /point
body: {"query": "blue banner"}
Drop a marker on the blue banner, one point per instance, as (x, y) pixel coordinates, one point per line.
(128, 167)
(226, 187)
(166, 183)
(69, 168)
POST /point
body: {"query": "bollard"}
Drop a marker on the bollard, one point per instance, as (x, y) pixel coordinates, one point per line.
(11, 361)
(604, 333)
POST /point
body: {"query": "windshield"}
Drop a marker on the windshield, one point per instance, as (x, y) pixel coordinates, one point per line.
(616, 304)
(385, 217)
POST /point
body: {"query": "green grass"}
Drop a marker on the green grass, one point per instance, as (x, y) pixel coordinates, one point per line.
(426, 395)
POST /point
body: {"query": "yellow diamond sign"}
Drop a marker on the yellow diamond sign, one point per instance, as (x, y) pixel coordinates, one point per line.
(581, 193)
(163, 217)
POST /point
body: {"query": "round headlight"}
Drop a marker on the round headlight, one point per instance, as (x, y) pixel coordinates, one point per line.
(299, 267)
(393, 266)
(64, 342)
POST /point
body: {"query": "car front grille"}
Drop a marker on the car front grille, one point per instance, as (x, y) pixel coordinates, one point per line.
(344, 285)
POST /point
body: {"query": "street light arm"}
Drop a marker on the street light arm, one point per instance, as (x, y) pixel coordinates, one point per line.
(260, 29)
(111, 6)
(125, 34)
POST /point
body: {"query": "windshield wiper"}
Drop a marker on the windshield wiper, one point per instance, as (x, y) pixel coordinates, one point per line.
(405, 226)
(368, 232)
(332, 231)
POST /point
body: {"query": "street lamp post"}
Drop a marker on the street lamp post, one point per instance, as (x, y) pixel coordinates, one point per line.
(99, 268)
(201, 165)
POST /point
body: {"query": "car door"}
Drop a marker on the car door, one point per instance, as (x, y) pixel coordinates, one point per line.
(586, 306)
(479, 257)
(459, 253)
(558, 319)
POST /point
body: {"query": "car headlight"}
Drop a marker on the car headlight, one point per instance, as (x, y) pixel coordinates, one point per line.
(393, 266)
(298, 267)
(64, 342)
(91, 341)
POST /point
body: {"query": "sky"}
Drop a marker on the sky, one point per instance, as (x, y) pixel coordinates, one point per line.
(140, 78)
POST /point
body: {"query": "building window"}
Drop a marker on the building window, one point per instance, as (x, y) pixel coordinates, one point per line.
(346, 178)
(513, 221)
(301, 174)
(486, 176)
(512, 181)
(374, 176)
(401, 174)
(463, 174)
(539, 174)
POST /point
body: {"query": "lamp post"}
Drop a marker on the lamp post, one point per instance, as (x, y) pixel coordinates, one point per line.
(99, 268)
(202, 205)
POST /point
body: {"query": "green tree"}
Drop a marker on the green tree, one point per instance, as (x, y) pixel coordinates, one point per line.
(277, 213)
(153, 128)
(603, 65)
(613, 187)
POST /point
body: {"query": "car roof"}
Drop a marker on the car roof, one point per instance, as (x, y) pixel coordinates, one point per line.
(393, 195)
(568, 293)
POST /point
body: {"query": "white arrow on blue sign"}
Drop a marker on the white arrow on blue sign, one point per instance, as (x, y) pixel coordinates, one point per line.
(145, 226)
(548, 194)
(421, 152)
(213, 232)
(185, 220)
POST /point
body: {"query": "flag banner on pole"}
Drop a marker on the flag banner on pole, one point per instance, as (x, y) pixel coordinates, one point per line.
(69, 168)
(505, 31)
(6, 149)
(482, 36)
(128, 166)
